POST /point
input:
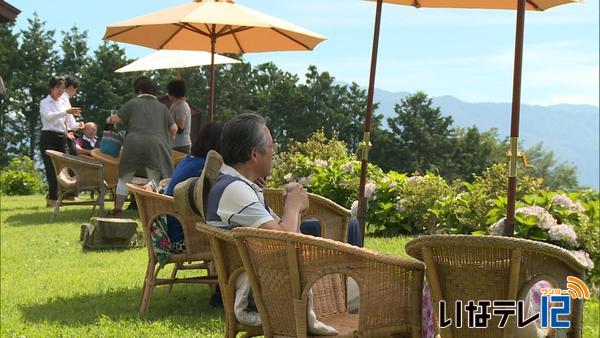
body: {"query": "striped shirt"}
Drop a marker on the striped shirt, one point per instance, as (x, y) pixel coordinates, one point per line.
(235, 201)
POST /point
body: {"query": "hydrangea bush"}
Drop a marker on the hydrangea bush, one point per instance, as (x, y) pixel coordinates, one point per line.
(425, 203)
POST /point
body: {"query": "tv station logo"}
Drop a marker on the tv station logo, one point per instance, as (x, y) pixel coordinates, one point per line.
(555, 307)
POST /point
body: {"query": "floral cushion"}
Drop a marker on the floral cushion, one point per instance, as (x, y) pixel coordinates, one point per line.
(160, 240)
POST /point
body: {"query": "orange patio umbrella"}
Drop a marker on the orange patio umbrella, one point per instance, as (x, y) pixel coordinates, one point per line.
(520, 6)
(213, 25)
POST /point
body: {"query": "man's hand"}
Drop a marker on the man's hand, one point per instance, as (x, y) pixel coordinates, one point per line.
(295, 196)
(261, 182)
(71, 135)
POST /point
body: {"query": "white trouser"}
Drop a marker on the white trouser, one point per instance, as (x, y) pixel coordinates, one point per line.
(151, 174)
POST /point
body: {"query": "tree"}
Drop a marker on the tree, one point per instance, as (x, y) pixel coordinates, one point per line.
(103, 90)
(38, 61)
(422, 135)
(74, 52)
(11, 130)
(556, 175)
(474, 151)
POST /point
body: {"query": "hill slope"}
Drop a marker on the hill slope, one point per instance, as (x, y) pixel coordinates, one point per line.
(571, 131)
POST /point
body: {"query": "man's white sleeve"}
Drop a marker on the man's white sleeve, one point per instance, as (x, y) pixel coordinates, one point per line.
(239, 205)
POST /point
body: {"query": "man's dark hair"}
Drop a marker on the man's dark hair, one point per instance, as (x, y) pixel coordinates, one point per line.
(241, 134)
(209, 138)
(71, 81)
(176, 88)
(55, 81)
(144, 85)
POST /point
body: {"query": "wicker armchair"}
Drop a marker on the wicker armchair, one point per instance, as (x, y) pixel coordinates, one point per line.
(177, 156)
(334, 218)
(111, 169)
(150, 206)
(229, 266)
(462, 267)
(88, 176)
(282, 267)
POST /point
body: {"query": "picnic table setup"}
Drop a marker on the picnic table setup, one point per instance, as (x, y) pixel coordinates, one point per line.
(301, 285)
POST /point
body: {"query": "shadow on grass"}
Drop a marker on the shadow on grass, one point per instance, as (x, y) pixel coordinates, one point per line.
(183, 307)
(37, 216)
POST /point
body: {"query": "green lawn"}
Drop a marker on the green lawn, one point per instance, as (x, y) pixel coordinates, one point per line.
(50, 287)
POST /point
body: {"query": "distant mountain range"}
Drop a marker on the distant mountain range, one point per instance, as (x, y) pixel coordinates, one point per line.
(571, 131)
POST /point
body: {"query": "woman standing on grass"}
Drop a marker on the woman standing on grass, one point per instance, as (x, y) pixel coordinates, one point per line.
(53, 113)
(147, 148)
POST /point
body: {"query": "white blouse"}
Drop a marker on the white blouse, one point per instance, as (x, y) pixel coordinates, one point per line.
(53, 114)
(72, 124)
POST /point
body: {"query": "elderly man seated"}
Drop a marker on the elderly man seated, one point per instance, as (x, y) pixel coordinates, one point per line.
(236, 199)
(88, 141)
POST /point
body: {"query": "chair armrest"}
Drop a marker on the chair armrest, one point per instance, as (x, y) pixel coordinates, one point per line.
(99, 155)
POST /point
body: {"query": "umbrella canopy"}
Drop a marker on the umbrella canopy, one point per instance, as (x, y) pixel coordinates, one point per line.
(520, 6)
(533, 5)
(216, 26)
(169, 59)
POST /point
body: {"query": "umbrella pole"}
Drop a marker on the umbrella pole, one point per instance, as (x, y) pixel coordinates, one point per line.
(363, 154)
(514, 125)
(213, 41)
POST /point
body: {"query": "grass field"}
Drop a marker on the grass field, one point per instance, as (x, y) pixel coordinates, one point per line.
(50, 287)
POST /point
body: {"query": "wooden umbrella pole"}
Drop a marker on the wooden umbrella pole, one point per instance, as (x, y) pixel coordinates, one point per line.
(514, 124)
(365, 144)
(213, 42)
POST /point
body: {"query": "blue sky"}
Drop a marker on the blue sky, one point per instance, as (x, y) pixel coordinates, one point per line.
(464, 53)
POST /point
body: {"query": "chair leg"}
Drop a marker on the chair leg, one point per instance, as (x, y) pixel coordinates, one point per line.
(101, 195)
(151, 289)
(93, 209)
(148, 284)
(57, 206)
(173, 275)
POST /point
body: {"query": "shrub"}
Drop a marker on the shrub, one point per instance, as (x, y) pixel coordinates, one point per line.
(402, 204)
(21, 177)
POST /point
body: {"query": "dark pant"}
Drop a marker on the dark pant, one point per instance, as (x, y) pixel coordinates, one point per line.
(51, 140)
(314, 228)
(71, 147)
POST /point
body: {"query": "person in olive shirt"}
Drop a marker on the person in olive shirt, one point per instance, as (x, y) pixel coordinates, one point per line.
(147, 148)
(181, 114)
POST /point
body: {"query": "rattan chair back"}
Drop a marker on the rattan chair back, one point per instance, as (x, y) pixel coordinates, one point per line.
(152, 205)
(282, 267)
(176, 157)
(334, 219)
(110, 166)
(463, 268)
(228, 266)
(88, 176)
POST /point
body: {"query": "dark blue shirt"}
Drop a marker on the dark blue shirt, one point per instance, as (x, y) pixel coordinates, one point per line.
(190, 166)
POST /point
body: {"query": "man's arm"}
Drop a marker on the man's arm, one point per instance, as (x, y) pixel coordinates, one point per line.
(296, 201)
(80, 149)
(173, 130)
